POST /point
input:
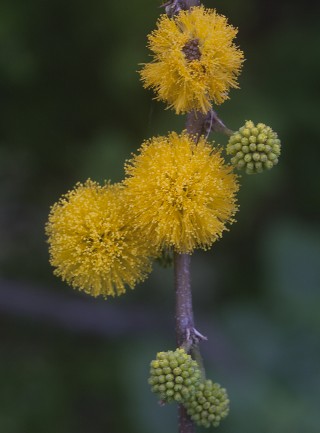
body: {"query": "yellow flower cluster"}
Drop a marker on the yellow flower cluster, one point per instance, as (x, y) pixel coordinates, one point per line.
(195, 60)
(178, 193)
(181, 194)
(92, 244)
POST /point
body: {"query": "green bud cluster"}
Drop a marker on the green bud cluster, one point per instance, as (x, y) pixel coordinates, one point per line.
(174, 376)
(254, 148)
(208, 405)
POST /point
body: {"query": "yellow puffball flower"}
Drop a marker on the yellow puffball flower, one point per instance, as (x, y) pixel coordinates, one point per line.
(180, 193)
(92, 245)
(195, 60)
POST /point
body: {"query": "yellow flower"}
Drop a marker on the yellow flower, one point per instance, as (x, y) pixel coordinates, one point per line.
(195, 60)
(92, 245)
(180, 193)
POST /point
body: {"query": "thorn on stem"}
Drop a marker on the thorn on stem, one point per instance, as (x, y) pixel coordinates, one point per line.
(214, 124)
(199, 336)
(193, 338)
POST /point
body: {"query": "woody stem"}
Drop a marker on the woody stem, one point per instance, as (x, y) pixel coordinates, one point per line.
(184, 321)
(186, 334)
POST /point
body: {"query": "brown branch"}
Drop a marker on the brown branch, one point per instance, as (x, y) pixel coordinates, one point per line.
(184, 312)
(185, 423)
(205, 123)
(186, 334)
(184, 321)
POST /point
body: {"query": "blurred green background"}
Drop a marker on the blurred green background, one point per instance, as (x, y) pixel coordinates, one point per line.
(72, 107)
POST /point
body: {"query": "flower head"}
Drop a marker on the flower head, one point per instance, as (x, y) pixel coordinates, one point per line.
(174, 376)
(195, 60)
(254, 148)
(92, 245)
(180, 193)
(208, 405)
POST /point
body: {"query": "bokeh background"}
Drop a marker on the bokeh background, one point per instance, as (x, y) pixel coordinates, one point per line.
(72, 107)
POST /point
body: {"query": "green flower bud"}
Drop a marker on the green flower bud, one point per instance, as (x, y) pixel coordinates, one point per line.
(259, 167)
(177, 397)
(161, 379)
(245, 149)
(262, 138)
(240, 163)
(234, 161)
(174, 376)
(268, 165)
(267, 148)
(162, 388)
(249, 124)
(254, 148)
(208, 405)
